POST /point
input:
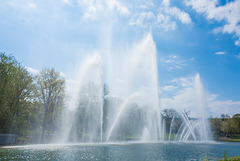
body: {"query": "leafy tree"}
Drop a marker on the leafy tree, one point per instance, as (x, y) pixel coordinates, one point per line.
(229, 126)
(15, 95)
(236, 118)
(169, 113)
(225, 116)
(50, 87)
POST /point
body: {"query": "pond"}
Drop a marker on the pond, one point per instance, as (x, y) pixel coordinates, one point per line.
(122, 151)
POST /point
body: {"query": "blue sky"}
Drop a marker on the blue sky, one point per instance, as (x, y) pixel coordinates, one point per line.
(191, 36)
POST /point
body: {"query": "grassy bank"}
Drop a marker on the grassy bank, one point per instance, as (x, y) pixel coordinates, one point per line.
(234, 138)
(226, 158)
(230, 159)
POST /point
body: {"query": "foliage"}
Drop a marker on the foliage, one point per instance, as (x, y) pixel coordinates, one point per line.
(50, 88)
(29, 104)
(230, 159)
(15, 95)
(226, 158)
(226, 126)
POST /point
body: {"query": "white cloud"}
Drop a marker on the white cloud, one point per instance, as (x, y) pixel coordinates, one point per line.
(62, 74)
(94, 9)
(112, 4)
(67, 1)
(229, 13)
(173, 62)
(165, 17)
(183, 82)
(178, 14)
(139, 13)
(91, 9)
(143, 19)
(32, 5)
(164, 22)
(237, 42)
(220, 53)
(185, 98)
(217, 107)
(169, 88)
(32, 70)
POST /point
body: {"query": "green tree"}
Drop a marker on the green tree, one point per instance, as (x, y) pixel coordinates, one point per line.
(216, 124)
(229, 127)
(51, 90)
(236, 118)
(15, 95)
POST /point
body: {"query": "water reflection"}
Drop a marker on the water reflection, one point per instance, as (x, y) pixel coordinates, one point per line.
(118, 152)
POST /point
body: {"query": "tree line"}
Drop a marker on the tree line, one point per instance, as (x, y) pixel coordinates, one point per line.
(30, 105)
(225, 126)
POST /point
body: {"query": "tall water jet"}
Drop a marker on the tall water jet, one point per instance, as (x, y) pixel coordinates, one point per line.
(171, 127)
(202, 105)
(130, 109)
(86, 125)
(136, 72)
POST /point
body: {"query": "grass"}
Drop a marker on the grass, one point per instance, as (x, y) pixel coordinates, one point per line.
(226, 158)
(230, 159)
(233, 140)
(172, 137)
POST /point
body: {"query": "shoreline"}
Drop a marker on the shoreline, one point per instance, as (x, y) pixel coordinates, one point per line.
(226, 139)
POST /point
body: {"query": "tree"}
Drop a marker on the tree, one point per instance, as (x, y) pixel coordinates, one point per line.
(51, 89)
(87, 124)
(169, 113)
(224, 116)
(216, 124)
(15, 95)
(229, 127)
(236, 118)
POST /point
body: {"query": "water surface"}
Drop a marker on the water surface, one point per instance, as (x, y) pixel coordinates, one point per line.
(127, 151)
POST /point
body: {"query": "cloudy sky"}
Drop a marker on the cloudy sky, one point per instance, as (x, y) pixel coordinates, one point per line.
(191, 36)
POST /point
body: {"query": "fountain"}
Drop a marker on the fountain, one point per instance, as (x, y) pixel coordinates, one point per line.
(126, 110)
(131, 110)
(193, 129)
(86, 122)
